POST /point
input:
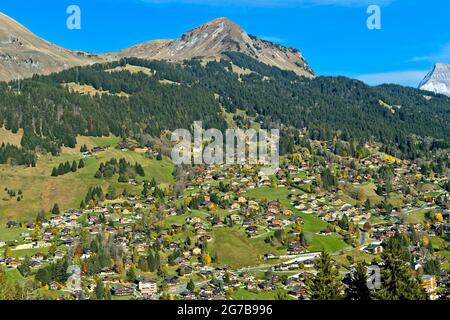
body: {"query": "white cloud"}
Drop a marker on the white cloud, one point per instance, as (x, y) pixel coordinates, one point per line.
(442, 56)
(274, 3)
(410, 78)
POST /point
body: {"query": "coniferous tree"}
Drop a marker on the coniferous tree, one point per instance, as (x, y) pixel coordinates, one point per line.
(398, 281)
(303, 240)
(83, 148)
(55, 209)
(81, 164)
(145, 191)
(24, 267)
(157, 261)
(344, 223)
(358, 289)
(151, 262)
(60, 169)
(67, 167)
(326, 285)
(74, 166)
(328, 179)
(139, 170)
(131, 275)
(100, 290)
(123, 178)
(433, 267)
(190, 285)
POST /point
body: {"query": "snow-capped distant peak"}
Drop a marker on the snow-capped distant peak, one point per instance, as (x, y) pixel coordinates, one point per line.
(437, 80)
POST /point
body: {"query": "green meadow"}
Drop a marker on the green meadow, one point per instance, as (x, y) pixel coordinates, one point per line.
(40, 190)
(235, 249)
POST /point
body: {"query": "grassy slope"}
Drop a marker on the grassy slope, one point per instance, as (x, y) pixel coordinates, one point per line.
(311, 226)
(416, 216)
(7, 136)
(235, 249)
(41, 191)
(367, 191)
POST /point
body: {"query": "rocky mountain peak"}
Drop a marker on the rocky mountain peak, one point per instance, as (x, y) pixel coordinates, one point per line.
(437, 80)
(213, 39)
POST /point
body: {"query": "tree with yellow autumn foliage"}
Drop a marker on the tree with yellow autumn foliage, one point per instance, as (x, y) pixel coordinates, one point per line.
(207, 259)
(438, 217)
(8, 252)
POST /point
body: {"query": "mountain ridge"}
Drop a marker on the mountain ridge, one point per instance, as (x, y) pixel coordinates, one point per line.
(23, 54)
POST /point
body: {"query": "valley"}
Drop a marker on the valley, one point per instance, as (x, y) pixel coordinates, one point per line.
(87, 182)
(262, 234)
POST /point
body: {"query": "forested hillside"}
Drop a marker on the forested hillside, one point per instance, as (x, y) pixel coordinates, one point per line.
(167, 96)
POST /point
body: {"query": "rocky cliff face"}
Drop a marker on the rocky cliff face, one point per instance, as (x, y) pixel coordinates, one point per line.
(212, 39)
(438, 80)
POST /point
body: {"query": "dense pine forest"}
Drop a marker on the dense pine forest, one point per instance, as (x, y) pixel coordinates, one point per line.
(407, 122)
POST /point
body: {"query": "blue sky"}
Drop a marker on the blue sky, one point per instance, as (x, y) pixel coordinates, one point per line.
(332, 34)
